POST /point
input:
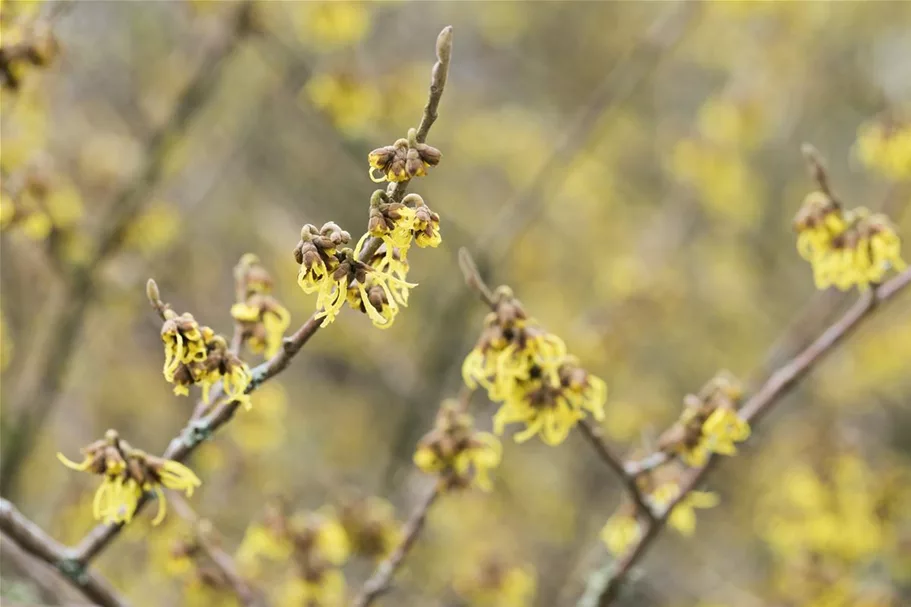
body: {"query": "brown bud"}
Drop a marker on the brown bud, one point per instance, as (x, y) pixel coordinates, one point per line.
(429, 154)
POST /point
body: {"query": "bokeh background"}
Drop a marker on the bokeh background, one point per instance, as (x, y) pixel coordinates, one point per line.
(631, 169)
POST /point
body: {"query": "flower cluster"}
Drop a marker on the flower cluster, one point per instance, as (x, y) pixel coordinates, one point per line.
(491, 582)
(371, 526)
(196, 355)
(263, 320)
(885, 146)
(661, 489)
(129, 473)
(399, 224)
(403, 160)
(828, 522)
(528, 371)
(709, 423)
(24, 43)
(846, 248)
(316, 542)
(456, 452)
(202, 581)
(337, 276)
(37, 201)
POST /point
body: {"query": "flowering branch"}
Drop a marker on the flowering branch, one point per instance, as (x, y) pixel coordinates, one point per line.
(588, 430)
(605, 583)
(382, 576)
(33, 404)
(198, 430)
(31, 538)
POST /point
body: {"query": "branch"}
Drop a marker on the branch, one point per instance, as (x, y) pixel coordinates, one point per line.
(206, 535)
(197, 430)
(604, 584)
(593, 435)
(381, 578)
(32, 539)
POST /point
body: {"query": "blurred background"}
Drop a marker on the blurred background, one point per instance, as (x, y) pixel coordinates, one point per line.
(631, 169)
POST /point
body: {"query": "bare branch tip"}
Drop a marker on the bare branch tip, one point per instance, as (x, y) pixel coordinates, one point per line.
(444, 44)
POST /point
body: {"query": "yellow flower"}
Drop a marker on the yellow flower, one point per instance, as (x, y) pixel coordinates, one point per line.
(552, 405)
(116, 499)
(128, 474)
(261, 541)
(331, 24)
(265, 322)
(456, 452)
(395, 264)
(543, 410)
(723, 428)
(495, 584)
(371, 527)
(426, 227)
(403, 160)
(620, 532)
(886, 149)
(326, 589)
(683, 516)
(183, 342)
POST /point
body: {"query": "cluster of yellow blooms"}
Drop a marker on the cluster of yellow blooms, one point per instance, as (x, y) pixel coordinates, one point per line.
(129, 473)
(846, 248)
(886, 147)
(709, 423)
(829, 526)
(457, 453)
(36, 202)
(24, 42)
(316, 542)
(493, 583)
(403, 160)
(528, 371)
(196, 355)
(662, 490)
(378, 287)
(263, 320)
(203, 582)
(370, 524)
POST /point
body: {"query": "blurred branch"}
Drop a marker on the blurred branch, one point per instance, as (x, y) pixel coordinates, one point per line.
(605, 583)
(32, 539)
(207, 537)
(198, 430)
(382, 576)
(35, 399)
(593, 435)
(16, 563)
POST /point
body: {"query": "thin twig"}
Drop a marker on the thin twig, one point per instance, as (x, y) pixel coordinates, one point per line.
(604, 584)
(207, 536)
(200, 429)
(382, 576)
(31, 538)
(593, 435)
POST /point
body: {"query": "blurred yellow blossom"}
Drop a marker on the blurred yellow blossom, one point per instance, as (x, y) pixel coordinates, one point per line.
(886, 148)
(352, 104)
(330, 23)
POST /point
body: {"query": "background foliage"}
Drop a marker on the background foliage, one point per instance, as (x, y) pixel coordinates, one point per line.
(631, 169)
